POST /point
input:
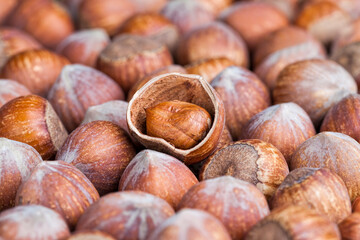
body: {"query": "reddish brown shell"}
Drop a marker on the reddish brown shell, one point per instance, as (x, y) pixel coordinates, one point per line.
(35, 69)
(10, 89)
(159, 174)
(350, 227)
(356, 205)
(188, 88)
(237, 204)
(216, 6)
(6, 8)
(17, 160)
(32, 222)
(149, 6)
(349, 34)
(90, 235)
(101, 150)
(59, 186)
(126, 215)
(286, 126)
(336, 151)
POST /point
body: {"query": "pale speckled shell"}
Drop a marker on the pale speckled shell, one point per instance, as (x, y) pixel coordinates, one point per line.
(10, 89)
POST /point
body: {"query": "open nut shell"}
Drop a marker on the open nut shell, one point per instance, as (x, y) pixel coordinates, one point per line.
(183, 87)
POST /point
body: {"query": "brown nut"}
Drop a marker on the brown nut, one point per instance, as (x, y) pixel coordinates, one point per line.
(231, 84)
(350, 227)
(253, 20)
(216, 6)
(318, 189)
(349, 34)
(90, 235)
(79, 87)
(149, 6)
(35, 69)
(315, 85)
(32, 222)
(285, 125)
(17, 160)
(187, 88)
(288, 7)
(84, 46)
(101, 150)
(192, 223)
(294, 222)
(6, 8)
(13, 41)
(129, 58)
(212, 40)
(335, 151)
(237, 204)
(31, 119)
(159, 174)
(10, 89)
(106, 14)
(59, 186)
(253, 161)
(356, 205)
(187, 14)
(126, 215)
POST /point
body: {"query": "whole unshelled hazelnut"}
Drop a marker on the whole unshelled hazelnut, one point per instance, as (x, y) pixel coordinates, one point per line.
(294, 222)
(237, 204)
(106, 14)
(84, 46)
(315, 85)
(59, 186)
(35, 69)
(335, 151)
(212, 40)
(187, 14)
(17, 160)
(10, 89)
(286, 126)
(288, 7)
(101, 150)
(90, 235)
(253, 161)
(350, 227)
(129, 58)
(216, 6)
(126, 215)
(349, 34)
(300, 186)
(192, 223)
(33, 222)
(231, 84)
(149, 6)
(159, 174)
(356, 205)
(31, 119)
(79, 87)
(253, 20)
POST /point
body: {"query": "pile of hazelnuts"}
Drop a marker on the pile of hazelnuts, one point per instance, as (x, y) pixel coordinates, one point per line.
(179, 119)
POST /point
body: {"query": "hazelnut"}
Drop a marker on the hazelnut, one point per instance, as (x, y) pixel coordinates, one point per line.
(350, 227)
(159, 174)
(13, 41)
(6, 8)
(101, 150)
(35, 69)
(32, 222)
(90, 235)
(129, 58)
(186, 88)
(46, 20)
(288, 7)
(10, 89)
(253, 20)
(192, 223)
(182, 124)
(148, 77)
(149, 6)
(336, 151)
(84, 46)
(212, 40)
(349, 34)
(231, 84)
(350, 6)
(31, 119)
(315, 85)
(187, 14)
(126, 215)
(323, 20)
(59, 186)
(209, 68)
(309, 186)
(343, 117)
(356, 205)
(285, 125)
(106, 14)
(153, 26)
(294, 222)
(236, 203)
(253, 161)
(17, 160)
(79, 87)
(216, 6)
